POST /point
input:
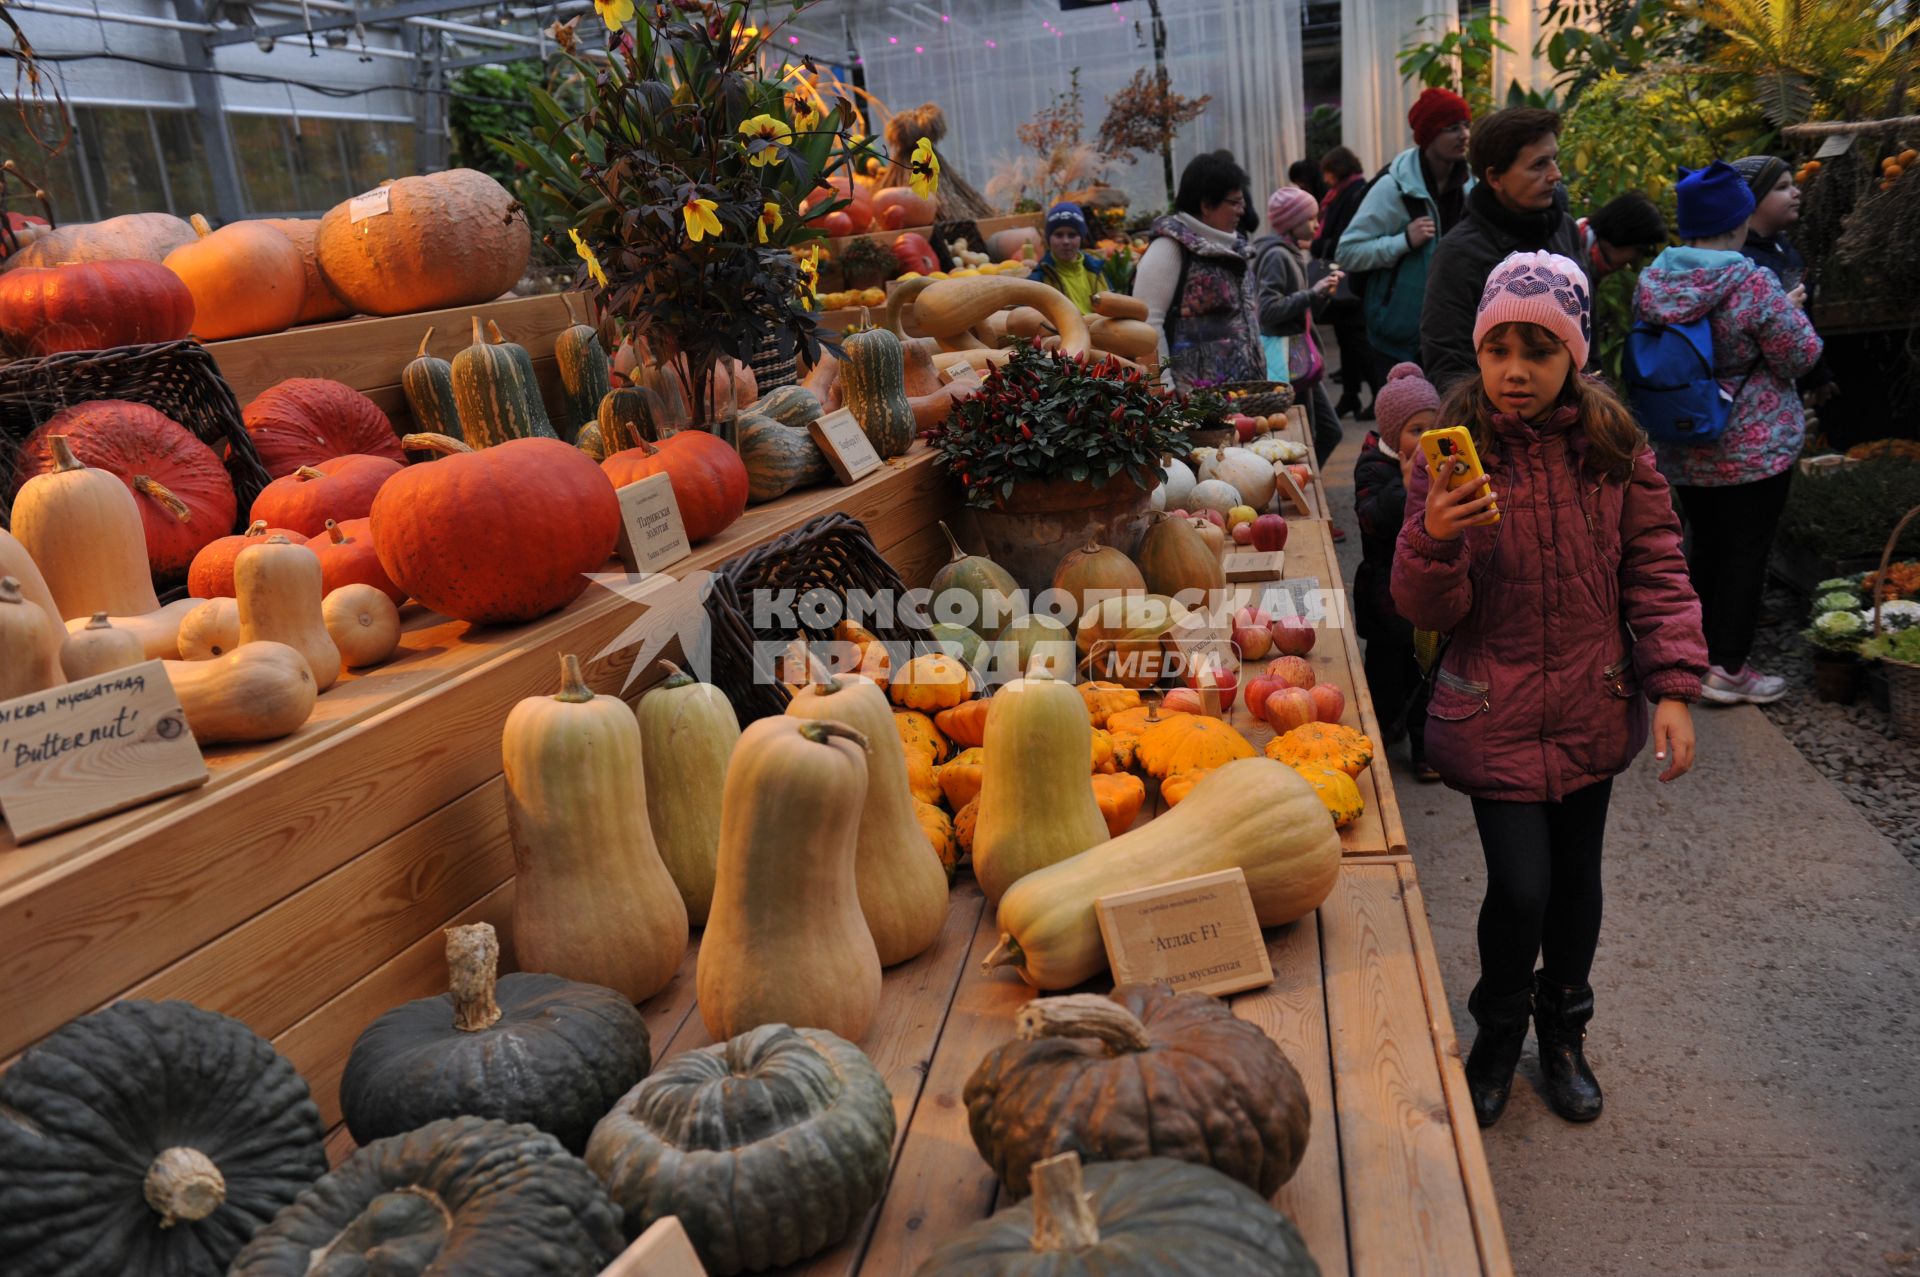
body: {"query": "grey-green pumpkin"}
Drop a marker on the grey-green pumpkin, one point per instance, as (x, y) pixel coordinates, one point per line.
(985, 596)
(585, 376)
(427, 381)
(873, 387)
(778, 458)
(496, 392)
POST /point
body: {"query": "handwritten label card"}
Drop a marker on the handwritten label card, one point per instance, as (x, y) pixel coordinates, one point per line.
(651, 533)
(845, 445)
(1197, 933)
(372, 204)
(81, 750)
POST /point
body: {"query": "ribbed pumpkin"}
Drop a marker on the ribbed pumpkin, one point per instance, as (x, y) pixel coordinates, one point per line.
(626, 416)
(709, 479)
(584, 373)
(456, 238)
(185, 496)
(1175, 561)
(427, 381)
(1323, 744)
(1191, 742)
(793, 406)
(498, 536)
(347, 557)
(496, 393)
(147, 236)
(90, 306)
(977, 592)
(1096, 571)
(303, 421)
(210, 575)
(319, 303)
(778, 458)
(246, 278)
(337, 489)
(873, 388)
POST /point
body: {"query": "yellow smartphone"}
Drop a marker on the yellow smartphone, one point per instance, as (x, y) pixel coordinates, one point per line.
(1453, 445)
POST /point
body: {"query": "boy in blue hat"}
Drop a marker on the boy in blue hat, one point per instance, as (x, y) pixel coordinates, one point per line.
(1067, 266)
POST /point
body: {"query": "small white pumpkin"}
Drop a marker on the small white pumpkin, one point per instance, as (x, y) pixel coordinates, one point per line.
(1248, 473)
(1178, 486)
(1216, 494)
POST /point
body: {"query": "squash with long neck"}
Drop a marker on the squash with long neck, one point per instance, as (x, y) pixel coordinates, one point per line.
(43, 659)
(687, 734)
(1036, 795)
(277, 587)
(82, 527)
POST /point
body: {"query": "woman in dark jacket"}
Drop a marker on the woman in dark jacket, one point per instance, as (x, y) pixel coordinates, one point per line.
(1346, 183)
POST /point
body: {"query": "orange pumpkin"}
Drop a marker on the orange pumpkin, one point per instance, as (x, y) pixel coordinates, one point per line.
(347, 557)
(1120, 796)
(210, 575)
(965, 723)
(304, 421)
(320, 303)
(337, 489)
(92, 305)
(709, 479)
(246, 278)
(897, 207)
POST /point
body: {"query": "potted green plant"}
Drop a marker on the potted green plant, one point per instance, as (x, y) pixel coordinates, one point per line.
(1835, 635)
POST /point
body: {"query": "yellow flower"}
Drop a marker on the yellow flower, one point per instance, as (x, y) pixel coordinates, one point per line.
(803, 104)
(615, 13)
(770, 219)
(768, 128)
(585, 250)
(923, 170)
(809, 276)
(701, 219)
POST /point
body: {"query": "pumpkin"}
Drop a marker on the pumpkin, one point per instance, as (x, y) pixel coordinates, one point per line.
(972, 590)
(277, 587)
(1176, 787)
(1333, 745)
(770, 1146)
(778, 458)
(1211, 534)
(347, 557)
(1120, 797)
(465, 1195)
(687, 734)
(873, 388)
(496, 392)
(1249, 474)
(1094, 572)
(920, 734)
(304, 421)
(92, 305)
(786, 942)
(25, 629)
(956, 640)
(1102, 751)
(554, 1053)
(914, 209)
(1031, 638)
(1253, 814)
(709, 479)
(144, 236)
(211, 629)
(82, 526)
(1336, 791)
(966, 822)
(210, 575)
(318, 304)
(1214, 494)
(1151, 1218)
(931, 682)
(456, 238)
(362, 622)
(334, 491)
(261, 690)
(427, 381)
(938, 827)
(914, 254)
(1140, 1072)
(585, 375)
(499, 536)
(922, 777)
(45, 661)
(1190, 742)
(794, 406)
(96, 649)
(965, 722)
(1009, 244)
(184, 495)
(1140, 719)
(1104, 700)
(1128, 640)
(1036, 806)
(246, 278)
(593, 900)
(960, 779)
(1178, 563)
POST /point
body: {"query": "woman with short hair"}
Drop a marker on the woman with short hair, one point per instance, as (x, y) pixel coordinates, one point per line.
(1197, 281)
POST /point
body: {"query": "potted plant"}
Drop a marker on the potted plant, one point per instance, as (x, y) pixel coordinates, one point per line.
(1835, 635)
(866, 263)
(1055, 450)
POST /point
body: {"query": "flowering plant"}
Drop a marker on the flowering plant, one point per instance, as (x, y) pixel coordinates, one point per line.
(1840, 632)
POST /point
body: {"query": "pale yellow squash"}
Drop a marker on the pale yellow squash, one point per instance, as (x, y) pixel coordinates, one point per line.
(362, 622)
(44, 661)
(158, 630)
(24, 626)
(687, 734)
(277, 587)
(82, 527)
(1036, 807)
(211, 629)
(98, 648)
(263, 691)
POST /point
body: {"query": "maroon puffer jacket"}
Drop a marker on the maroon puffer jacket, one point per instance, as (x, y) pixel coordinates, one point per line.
(1560, 614)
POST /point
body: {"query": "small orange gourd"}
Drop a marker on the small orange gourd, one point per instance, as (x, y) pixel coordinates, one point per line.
(960, 778)
(932, 682)
(1191, 742)
(211, 629)
(1336, 792)
(919, 734)
(1323, 744)
(965, 723)
(362, 622)
(1106, 699)
(1120, 797)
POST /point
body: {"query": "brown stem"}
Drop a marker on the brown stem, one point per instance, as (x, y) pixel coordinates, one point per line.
(820, 731)
(1005, 954)
(958, 553)
(183, 1184)
(445, 445)
(1062, 1217)
(307, 474)
(278, 538)
(63, 458)
(573, 684)
(201, 227)
(821, 677)
(257, 528)
(424, 339)
(493, 332)
(150, 487)
(473, 967)
(479, 334)
(98, 621)
(334, 534)
(1082, 1015)
(676, 677)
(10, 590)
(566, 299)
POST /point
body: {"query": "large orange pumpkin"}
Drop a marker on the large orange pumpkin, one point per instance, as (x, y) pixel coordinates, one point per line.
(912, 209)
(502, 535)
(320, 303)
(304, 421)
(339, 488)
(347, 557)
(92, 305)
(709, 479)
(246, 278)
(456, 238)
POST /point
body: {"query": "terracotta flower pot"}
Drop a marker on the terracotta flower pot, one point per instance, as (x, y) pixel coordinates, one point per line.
(1030, 531)
(1837, 678)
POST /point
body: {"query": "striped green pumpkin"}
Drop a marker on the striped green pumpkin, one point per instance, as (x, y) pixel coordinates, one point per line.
(629, 416)
(496, 393)
(778, 458)
(428, 383)
(584, 374)
(873, 384)
(793, 406)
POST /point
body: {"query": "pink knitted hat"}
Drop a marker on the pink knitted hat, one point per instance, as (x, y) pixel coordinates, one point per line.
(1288, 207)
(1407, 392)
(1539, 288)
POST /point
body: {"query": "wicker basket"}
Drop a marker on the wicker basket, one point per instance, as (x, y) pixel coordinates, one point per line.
(178, 378)
(1903, 678)
(1262, 398)
(833, 554)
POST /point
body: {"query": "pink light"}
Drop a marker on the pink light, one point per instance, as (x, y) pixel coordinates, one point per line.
(945, 18)
(919, 49)
(793, 39)
(992, 45)
(893, 39)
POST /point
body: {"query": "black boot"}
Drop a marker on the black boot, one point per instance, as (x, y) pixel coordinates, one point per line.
(1496, 1048)
(1560, 1015)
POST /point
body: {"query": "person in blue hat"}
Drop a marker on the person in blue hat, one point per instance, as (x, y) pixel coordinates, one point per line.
(1067, 265)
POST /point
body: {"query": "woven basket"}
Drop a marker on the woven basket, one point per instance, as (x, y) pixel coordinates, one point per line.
(1263, 398)
(1903, 678)
(832, 554)
(178, 378)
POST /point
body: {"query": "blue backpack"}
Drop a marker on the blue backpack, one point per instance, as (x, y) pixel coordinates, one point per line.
(1670, 383)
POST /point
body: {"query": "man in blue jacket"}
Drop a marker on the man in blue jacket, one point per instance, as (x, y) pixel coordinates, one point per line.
(1067, 267)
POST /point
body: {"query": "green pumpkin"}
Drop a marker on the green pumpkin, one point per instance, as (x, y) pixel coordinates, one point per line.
(629, 416)
(793, 406)
(957, 640)
(992, 589)
(496, 393)
(873, 383)
(428, 383)
(778, 458)
(1025, 636)
(585, 377)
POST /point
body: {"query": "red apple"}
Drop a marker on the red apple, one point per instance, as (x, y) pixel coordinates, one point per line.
(1225, 678)
(1254, 641)
(1293, 636)
(1270, 532)
(1245, 427)
(1182, 700)
(1214, 517)
(1293, 671)
(1258, 689)
(1251, 618)
(1329, 702)
(1288, 708)
(1243, 534)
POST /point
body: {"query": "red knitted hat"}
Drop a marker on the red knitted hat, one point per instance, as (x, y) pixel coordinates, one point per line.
(1434, 112)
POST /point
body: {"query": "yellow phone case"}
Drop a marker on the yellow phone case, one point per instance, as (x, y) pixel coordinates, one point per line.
(1456, 443)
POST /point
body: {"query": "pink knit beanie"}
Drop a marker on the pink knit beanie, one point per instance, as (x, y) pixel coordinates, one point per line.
(1288, 207)
(1406, 393)
(1538, 288)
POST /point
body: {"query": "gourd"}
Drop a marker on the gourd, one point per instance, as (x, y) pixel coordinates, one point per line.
(1121, 640)
(211, 629)
(778, 458)
(551, 1052)
(965, 722)
(902, 889)
(709, 479)
(246, 278)
(210, 575)
(347, 557)
(1140, 1072)
(318, 304)
(464, 1195)
(972, 590)
(1119, 306)
(1175, 788)
(585, 375)
(146, 236)
(82, 527)
(687, 734)
(1096, 571)
(158, 630)
(1107, 699)
(1253, 814)
(496, 393)
(260, 691)
(1175, 488)
(1323, 744)
(960, 778)
(593, 900)
(41, 662)
(786, 942)
(873, 388)
(427, 381)
(770, 1146)
(306, 421)
(1335, 790)
(497, 536)
(456, 238)
(91, 306)
(277, 587)
(931, 682)
(938, 827)
(1152, 1218)
(362, 622)
(1191, 742)
(956, 640)
(1177, 563)
(950, 307)
(793, 406)
(95, 649)
(1214, 494)
(917, 732)
(1119, 796)
(24, 630)
(338, 489)
(149, 1138)
(965, 823)
(914, 210)
(1036, 807)
(626, 416)
(1030, 637)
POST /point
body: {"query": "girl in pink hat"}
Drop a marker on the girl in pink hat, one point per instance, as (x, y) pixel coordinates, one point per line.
(1566, 619)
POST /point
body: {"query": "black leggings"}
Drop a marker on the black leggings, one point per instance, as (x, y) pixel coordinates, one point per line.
(1543, 888)
(1732, 533)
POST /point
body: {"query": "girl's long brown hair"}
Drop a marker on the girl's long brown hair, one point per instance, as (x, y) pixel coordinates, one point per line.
(1614, 438)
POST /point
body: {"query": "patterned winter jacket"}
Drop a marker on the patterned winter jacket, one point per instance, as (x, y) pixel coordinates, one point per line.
(1212, 328)
(1566, 618)
(1761, 343)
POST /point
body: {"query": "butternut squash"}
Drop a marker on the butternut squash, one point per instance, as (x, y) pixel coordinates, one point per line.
(277, 587)
(82, 527)
(786, 942)
(211, 629)
(687, 734)
(1253, 814)
(362, 622)
(263, 691)
(95, 648)
(158, 630)
(1036, 807)
(1118, 306)
(24, 626)
(901, 884)
(593, 901)
(45, 660)
(949, 307)
(1129, 338)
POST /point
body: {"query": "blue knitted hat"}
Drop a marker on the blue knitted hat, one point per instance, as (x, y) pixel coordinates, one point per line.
(1713, 200)
(1065, 216)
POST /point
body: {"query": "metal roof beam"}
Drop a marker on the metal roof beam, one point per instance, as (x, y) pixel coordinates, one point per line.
(385, 16)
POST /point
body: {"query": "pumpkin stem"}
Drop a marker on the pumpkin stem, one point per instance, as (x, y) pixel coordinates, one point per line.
(1005, 954)
(445, 445)
(473, 967)
(493, 331)
(820, 731)
(63, 458)
(278, 538)
(10, 593)
(958, 553)
(1062, 1217)
(566, 299)
(819, 675)
(99, 620)
(334, 534)
(424, 339)
(676, 677)
(201, 226)
(573, 684)
(183, 1184)
(479, 335)
(150, 487)
(1082, 1015)
(257, 528)
(307, 474)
